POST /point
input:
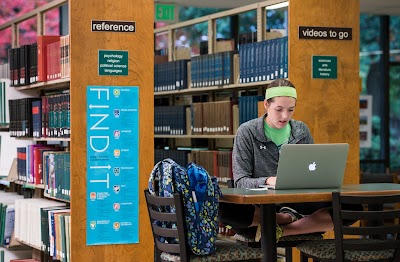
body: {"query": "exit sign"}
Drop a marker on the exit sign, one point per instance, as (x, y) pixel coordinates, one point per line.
(164, 12)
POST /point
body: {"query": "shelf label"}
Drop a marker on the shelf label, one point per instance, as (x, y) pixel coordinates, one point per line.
(325, 33)
(113, 26)
(324, 67)
(112, 165)
(164, 12)
(113, 62)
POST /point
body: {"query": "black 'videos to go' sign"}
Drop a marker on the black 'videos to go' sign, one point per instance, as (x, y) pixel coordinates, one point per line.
(325, 33)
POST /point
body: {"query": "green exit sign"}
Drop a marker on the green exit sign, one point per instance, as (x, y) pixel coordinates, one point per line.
(164, 12)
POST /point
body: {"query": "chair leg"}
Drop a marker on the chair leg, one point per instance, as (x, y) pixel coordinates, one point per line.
(303, 258)
(288, 254)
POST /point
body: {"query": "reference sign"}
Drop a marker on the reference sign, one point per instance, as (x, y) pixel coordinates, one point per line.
(113, 62)
(324, 67)
(113, 26)
(112, 165)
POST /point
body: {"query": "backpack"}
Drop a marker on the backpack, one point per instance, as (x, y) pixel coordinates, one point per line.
(200, 194)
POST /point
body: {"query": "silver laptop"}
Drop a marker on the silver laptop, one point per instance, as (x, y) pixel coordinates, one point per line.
(311, 166)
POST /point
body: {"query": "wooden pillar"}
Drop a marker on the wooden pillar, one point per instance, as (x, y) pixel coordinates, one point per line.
(330, 107)
(84, 72)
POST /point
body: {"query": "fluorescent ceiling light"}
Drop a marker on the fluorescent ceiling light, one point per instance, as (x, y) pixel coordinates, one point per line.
(277, 6)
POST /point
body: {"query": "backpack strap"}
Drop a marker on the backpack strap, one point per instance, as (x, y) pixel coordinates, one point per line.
(161, 178)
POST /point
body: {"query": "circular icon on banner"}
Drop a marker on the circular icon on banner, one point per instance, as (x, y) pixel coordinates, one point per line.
(116, 113)
(117, 92)
(92, 224)
(92, 195)
(116, 225)
(117, 152)
(116, 171)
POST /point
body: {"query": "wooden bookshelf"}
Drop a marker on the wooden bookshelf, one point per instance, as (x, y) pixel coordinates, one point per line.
(84, 47)
(325, 105)
(62, 83)
(196, 136)
(195, 90)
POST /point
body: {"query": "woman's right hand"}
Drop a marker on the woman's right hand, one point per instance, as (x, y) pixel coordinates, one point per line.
(271, 181)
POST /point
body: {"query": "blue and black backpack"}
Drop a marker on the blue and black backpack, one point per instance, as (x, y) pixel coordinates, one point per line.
(200, 194)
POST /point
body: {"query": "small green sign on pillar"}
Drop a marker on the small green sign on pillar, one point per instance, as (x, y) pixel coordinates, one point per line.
(324, 67)
(113, 63)
(164, 12)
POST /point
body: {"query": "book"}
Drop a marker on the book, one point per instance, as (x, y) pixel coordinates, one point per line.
(42, 43)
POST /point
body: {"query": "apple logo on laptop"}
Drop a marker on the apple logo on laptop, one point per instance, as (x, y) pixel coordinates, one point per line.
(312, 166)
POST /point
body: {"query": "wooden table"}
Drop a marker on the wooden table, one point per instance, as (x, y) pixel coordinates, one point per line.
(269, 198)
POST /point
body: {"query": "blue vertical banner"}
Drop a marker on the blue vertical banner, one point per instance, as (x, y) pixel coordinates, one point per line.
(112, 172)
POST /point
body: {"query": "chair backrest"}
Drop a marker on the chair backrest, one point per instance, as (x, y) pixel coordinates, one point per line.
(372, 226)
(366, 178)
(162, 219)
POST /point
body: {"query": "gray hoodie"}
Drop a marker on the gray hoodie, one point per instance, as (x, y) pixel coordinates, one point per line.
(255, 157)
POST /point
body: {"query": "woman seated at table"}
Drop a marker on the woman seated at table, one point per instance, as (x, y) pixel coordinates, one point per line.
(255, 160)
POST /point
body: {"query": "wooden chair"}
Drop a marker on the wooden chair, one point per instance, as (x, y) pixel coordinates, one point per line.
(226, 250)
(366, 178)
(373, 242)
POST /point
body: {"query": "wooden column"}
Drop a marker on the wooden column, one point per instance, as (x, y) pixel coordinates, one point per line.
(330, 107)
(84, 71)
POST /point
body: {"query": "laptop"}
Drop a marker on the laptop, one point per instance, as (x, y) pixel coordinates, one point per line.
(303, 166)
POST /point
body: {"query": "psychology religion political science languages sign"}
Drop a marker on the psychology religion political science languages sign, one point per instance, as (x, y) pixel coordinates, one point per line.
(112, 170)
(113, 62)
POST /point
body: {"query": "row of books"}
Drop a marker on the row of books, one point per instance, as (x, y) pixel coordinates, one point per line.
(212, 69)
(171, 76)
(3, 103)
(170, 120)
(47, 116)
(179, 156)
(45, 165)
(212, 118)
(217, 163)
(47, 59)
(7, 216)
(208, 118)
(248, 108)
(258, 61)
(264, 61)
(4, 71)
(45, 225)
(23, 62)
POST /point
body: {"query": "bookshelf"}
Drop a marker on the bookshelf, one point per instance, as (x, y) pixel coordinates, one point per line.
(314, 93)
(84, 71)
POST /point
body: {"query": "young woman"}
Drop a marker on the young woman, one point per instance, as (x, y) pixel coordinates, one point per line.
(255, 160)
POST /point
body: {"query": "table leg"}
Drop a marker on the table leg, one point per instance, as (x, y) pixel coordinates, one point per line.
(268, 232)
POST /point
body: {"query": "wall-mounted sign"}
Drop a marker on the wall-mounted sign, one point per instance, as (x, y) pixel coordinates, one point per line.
(113, 62)
(113, 26)
(324, 67)
(112, 171)
(325, 33)
(164, 12)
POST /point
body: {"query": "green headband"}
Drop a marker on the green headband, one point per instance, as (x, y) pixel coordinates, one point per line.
(280, 91)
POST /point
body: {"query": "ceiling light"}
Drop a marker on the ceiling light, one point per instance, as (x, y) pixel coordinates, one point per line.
(277, 6)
